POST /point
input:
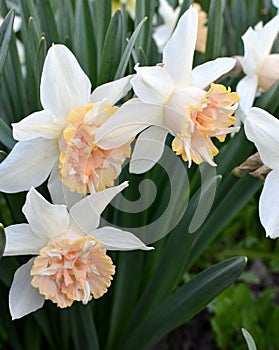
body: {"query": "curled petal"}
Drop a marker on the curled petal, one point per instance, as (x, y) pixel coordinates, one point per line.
(64, 85)
(86, 213)
(115, 239)
(263, 129)
(21, 240)
(112, 91)
(39, 124)
(46, 220)
(204, 74)
(246, 89)
(148, 149)
(23, 297)
(152, 84)
(131, 118)
(28, 164)
(178, 57)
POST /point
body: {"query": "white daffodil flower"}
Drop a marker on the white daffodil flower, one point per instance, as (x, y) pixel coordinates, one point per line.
(171, 98)
(169, 15)
(71, 263)
(60, 138)
(263, 129)
(260, 67)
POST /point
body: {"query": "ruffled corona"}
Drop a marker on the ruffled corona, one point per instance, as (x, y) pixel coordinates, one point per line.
(211, 118)
(85, 167)
(68, 271)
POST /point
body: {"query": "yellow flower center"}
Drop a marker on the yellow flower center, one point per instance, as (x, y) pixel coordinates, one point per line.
(85, 167)
(68, 271)
(211, 118)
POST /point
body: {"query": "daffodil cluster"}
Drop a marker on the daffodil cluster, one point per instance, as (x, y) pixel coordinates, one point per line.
(80, 139)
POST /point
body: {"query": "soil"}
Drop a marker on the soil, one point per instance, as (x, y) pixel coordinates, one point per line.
(195, 335)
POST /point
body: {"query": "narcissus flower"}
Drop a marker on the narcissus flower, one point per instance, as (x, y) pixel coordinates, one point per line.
(171, 98)
(261, 67)
(71, 263)
(163, 32)
(263, 129)
(61, 138)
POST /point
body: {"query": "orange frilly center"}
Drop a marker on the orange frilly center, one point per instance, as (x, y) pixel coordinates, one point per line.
(212, 118)
(68, 271)
(85, 167)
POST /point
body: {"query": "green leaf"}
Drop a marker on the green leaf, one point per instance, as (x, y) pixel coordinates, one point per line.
(145, 8)
(85, 41)
(249, 340)
(112, 51)
(6, 31)
(128, 51)
(215, 29)
(83, 332)
(185, 303)
(2, 240)
(47, 20)
(101, 11)
(231, 197)
(6, 137)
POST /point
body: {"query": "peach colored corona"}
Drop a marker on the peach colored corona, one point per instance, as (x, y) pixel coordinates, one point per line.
(213, 115)
(85, 167)
(68, 271)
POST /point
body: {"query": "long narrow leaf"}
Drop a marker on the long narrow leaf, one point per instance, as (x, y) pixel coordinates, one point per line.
(185, 303)
(128, 51)
(6, 137)
(6, 31)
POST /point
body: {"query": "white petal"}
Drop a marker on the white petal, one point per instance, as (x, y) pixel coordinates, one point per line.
(258, 44)
(179, 51)
(112, 91)
(152, 84)
(263, 129)
(28, 164)
(64, 85)
(269, 204)
(23, 297)
(59, 193)
(131, 118)
(208, 72)
(246, 89)
(86, 213)
(115, 239)
(46, 220)
(38, 124)
(21, 240)
(148, 149)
